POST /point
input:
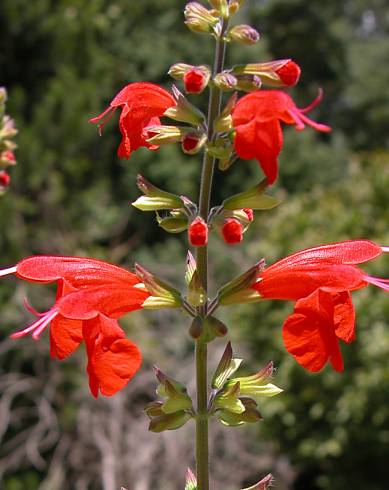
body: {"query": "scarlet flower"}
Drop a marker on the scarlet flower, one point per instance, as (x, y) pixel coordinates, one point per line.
(5, 179)
(91, 296)
(142, 104)
(198, 232)
(7, 158)
(289, 73)
(256, 119)
(232, 231)
(320, 280)
(195, 81)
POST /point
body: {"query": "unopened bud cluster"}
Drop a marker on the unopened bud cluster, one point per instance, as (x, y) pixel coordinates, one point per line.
(7, 146)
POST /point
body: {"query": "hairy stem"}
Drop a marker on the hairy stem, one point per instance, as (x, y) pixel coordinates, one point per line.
(202, 450)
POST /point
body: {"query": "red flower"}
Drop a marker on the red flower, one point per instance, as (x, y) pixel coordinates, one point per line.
(142, 104)
(195, 81)
(289, 73)
(198, 232)
(232, 231)
(320, 280)
(256, 119)
(5, 179)
(91, 296)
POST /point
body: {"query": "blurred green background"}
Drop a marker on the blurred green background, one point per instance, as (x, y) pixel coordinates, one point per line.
(62, 61)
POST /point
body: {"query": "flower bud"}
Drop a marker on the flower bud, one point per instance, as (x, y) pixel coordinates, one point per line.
(193, 142)
(8, 130)
(277, 73)
(248, 83)
(198, 232)
(216, 327)
(5, 180)
(250, 214)
(178, 70)
(225, 81)
(235, 5)
(7, 158)
(191, 481)
(196, 79)
(232, 231)
(221, 6)
(196, 328)
(199, 19)
(244, 34)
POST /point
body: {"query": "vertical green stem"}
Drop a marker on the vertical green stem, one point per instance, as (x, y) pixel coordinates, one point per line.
(202, 450)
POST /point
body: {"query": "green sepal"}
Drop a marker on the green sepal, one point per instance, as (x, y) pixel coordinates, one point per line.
(264, 484)
(197, 295)
(154, 409)
(163, 295)
(184, 111)
(239, 289)
(171, 421)
(229, 400)
(155, 199)
(253, 198)
(176, 401)
(257, 384)
(176, 222)
(226, 368)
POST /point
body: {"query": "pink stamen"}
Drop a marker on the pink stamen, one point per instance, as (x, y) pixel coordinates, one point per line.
(32, 310)
(37, 327)
(314, 103)
(319, 127)
(297, 119)
(378, 281)
(385, 249)
(109, 112)
(6, 272)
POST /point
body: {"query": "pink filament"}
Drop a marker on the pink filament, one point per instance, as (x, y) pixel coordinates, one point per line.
(37, 327)
(378, 281)
(314, 103)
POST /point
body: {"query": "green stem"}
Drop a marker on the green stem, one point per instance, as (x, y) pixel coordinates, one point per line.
(202, 450)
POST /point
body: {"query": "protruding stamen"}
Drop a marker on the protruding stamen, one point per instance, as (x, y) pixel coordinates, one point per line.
(32, 310)
(378, 281)
(319, 127)
(314, 103)
(107, 114)
(37, 327)
(296, 118)
(6, 272)
(385, 249)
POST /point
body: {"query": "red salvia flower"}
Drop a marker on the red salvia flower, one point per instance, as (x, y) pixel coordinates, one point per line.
(289, 73)
(91, 296)
(195, 81)
(198, 232)
(142, 104)
(320, 280)
(232, 231)
(256, 119)
(5, 179)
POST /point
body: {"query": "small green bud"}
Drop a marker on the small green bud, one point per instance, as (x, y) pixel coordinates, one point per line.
(196, 328)
(225, 81)
(221, 6)
(178, 70)
(243, 34)
(248, 83)
(216, 327)
(235, 5)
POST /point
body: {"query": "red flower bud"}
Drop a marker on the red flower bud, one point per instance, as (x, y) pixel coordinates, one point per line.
(232, 231)
(289, 73)
(7, 158)
(5, 180)
(195, 81)
(198, 232)
(250, 213)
